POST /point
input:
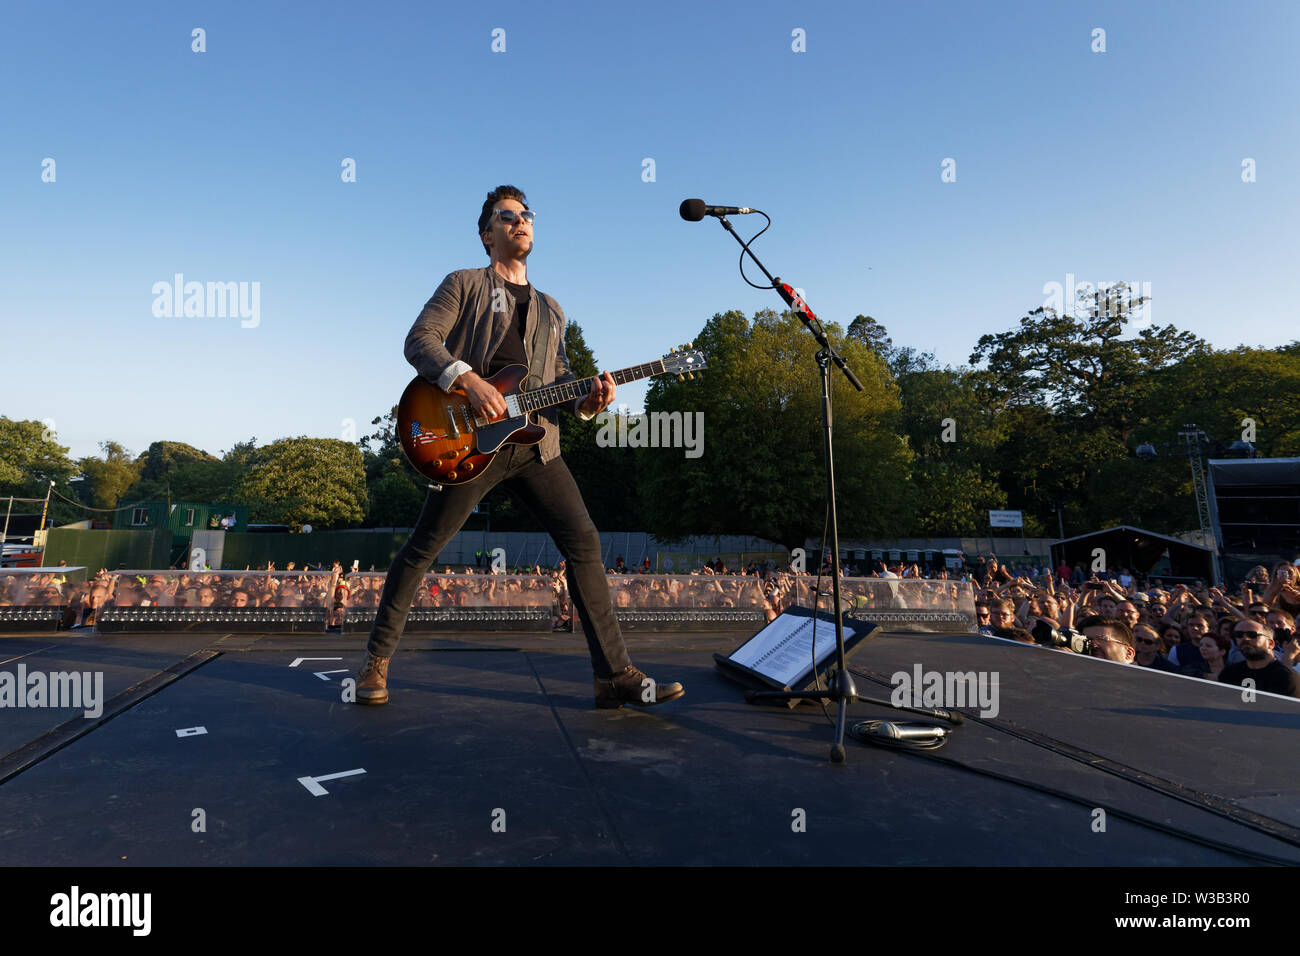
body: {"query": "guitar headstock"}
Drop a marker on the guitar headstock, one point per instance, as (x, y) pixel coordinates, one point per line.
(685, 363)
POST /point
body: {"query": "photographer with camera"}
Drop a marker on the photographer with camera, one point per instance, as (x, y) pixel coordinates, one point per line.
(1109, 638)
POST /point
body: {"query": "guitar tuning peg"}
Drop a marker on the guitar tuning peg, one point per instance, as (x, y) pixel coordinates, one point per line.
(681, 377)
(691, 376)
(672, 350)
(690, 345)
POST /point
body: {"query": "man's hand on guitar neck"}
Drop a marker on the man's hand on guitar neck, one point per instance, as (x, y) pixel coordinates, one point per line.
(487, 401)
(490, 404)
(600, 396)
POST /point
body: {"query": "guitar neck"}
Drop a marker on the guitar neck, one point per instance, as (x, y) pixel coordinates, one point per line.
(550, 395)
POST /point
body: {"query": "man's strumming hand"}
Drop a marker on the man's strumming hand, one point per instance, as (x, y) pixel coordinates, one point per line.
(487, 401)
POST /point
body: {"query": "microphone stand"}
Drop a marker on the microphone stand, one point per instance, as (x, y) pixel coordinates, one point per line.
(841, 688)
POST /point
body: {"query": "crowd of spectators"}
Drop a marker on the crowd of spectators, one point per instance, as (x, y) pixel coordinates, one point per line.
(1184, 628)
(759, 587)
(334, 590)
(1191, 629)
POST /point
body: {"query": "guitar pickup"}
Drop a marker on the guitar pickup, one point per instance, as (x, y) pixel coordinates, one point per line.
(451, 417)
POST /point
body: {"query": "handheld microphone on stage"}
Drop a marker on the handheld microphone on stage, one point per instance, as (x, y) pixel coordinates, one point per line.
(918, 732)
(693, 210)
(886, 733)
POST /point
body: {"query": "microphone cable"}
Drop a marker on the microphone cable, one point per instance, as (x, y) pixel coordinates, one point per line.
(744, 248)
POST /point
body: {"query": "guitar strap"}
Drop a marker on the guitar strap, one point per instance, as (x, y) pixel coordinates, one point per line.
(541, 345)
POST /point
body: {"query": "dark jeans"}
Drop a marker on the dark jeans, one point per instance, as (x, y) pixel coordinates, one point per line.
(550, 493)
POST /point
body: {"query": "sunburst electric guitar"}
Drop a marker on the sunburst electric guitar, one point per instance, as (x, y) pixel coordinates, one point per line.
(449, 444)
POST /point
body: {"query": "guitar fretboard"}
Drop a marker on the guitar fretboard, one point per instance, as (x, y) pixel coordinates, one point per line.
(549, 395)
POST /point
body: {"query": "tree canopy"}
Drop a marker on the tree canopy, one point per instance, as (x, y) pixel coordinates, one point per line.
(1045, 419)
(762, 468)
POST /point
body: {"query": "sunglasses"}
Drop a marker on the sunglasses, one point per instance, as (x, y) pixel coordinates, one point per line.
(1250, 634)
(1148, 640)
(509, 216)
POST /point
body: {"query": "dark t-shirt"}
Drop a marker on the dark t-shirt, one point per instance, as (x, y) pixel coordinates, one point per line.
(1276, 678)
(1160, 663)
(1186, 656)
(511, 350)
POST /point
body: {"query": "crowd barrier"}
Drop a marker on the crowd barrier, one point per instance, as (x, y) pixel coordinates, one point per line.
(461, 602)
(293, 601)
(36, 599)
(731, 602)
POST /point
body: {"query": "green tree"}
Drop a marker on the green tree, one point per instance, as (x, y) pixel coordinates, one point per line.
(872, 334)
(107, 479)
(394, 500)
(181, 472)
(295, 481)
(1077, 387)
(395, 490)
(381, 447)
(606, 476)
(1231, 394)
(30, 458)
(901, 359)
(762, 467)
(1241, 393)
(954, 498)
(1084, 367)
(956, 428)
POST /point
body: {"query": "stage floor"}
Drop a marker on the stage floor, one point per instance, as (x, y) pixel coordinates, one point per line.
(491, 753)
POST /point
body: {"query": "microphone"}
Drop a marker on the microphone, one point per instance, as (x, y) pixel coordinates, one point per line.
(910, 732)
(693, 210)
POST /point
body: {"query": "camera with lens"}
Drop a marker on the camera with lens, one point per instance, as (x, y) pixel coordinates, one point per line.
(1049, 636)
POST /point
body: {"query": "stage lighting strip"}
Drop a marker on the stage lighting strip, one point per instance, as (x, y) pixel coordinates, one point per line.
(1268, 826)
(212, 615)
(33, 612)
(435, 615)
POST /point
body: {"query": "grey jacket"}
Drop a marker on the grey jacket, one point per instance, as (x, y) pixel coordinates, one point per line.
(458, 330)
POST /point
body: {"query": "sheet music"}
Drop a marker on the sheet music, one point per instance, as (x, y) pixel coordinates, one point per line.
(783, 650)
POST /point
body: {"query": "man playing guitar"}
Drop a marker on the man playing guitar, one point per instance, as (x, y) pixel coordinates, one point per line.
(478, 322)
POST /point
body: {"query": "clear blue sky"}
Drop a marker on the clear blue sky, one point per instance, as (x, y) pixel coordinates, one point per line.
(225, 166)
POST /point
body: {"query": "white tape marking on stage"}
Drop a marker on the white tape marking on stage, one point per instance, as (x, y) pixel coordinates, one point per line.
(299, 660)
(191, 731)
(321, 674)
(313, 783)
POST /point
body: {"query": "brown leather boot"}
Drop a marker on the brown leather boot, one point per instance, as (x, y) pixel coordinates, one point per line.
(630, 686)
(372, 680)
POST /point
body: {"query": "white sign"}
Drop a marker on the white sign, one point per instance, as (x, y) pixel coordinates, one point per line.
(1006, 519)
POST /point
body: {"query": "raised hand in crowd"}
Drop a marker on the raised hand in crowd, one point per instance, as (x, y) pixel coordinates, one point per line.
(1284, 581)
